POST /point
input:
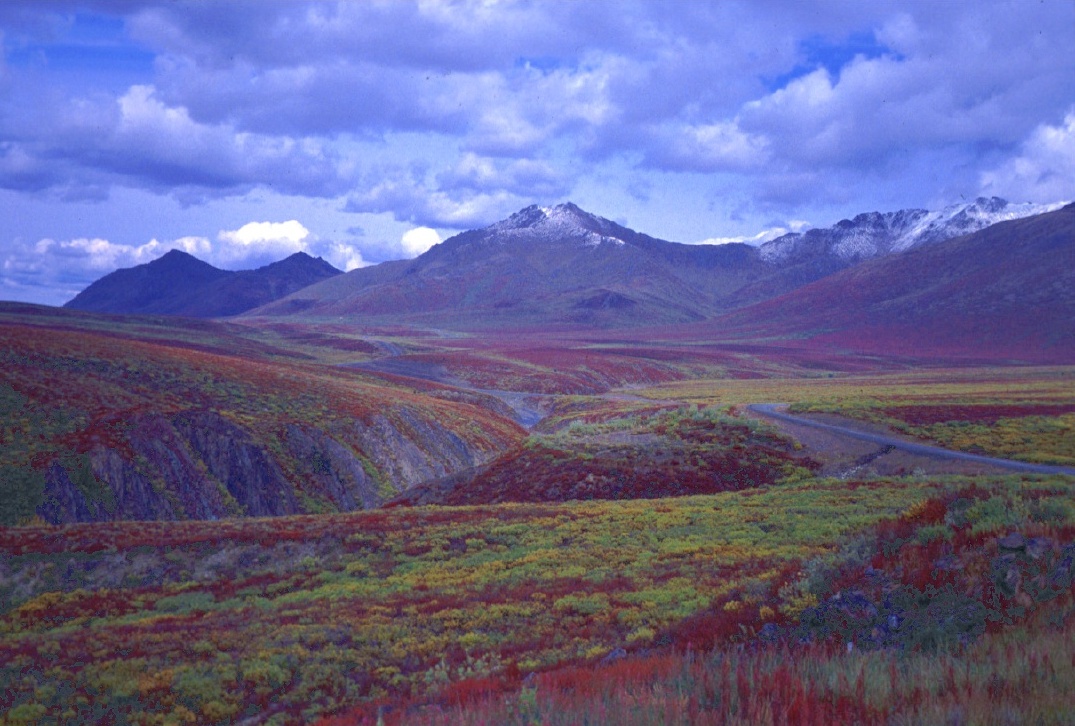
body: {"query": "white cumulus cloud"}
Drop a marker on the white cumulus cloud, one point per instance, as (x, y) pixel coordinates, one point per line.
(408, 197)
(262, 239)
(101, 254)
(418, 240)
(710, 147)
(259, 243)
(342, 256)
(766, 235)
(1043, 172)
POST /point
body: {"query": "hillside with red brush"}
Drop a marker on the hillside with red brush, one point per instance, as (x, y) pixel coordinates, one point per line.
(1007, 291)
(107, 418)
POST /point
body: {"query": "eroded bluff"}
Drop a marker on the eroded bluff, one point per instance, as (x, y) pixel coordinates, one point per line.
(202, 465)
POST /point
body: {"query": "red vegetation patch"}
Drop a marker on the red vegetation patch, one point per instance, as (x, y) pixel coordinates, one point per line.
(120, 536)
(984, 414)
(681, 460)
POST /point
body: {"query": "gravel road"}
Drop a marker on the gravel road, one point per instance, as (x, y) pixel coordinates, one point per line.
(771, 410)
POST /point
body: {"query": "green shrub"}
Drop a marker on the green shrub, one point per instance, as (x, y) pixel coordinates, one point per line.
(992, 514)
(1051, 511)
(27, 713)
(583, 604)
(185, 602)
(933, 532)
(22, 491)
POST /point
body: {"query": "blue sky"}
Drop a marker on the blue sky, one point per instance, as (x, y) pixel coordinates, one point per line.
(365, 131)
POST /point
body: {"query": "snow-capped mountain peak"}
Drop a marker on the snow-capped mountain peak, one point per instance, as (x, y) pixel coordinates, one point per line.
(874, 234)
(959, 219)
(561, 222)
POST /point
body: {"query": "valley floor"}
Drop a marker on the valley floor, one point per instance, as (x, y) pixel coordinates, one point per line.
(648, 549)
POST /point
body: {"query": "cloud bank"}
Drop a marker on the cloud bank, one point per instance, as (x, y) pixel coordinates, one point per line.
(65, 267)
(449, 116)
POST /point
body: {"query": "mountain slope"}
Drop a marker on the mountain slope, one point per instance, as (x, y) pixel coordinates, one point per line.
(1009, 288)
(180, 284)
(876, 234)
(541, 266)
(800, 258)
(562, 266)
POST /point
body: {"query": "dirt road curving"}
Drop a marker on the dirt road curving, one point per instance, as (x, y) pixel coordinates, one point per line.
(774, 411)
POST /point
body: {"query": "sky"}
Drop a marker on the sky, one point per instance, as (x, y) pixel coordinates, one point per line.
(245, 131)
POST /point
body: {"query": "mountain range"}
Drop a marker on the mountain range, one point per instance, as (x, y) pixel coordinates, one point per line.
(562, 266)
(540, 267)
(1008, 288)
(180, 284)
(875, 234)
(986, 273)
(800, 258)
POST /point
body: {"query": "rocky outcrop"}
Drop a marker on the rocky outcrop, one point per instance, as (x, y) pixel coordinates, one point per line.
(105, 485)
(200, 465)
(336, 468)
(250, 475)
(64, 501)
(181, 471)
(391, 446)
(159, 478)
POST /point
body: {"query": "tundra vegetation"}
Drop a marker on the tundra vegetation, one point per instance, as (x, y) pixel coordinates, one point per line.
(650, 554)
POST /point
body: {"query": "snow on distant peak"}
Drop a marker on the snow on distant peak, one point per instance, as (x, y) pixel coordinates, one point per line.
(959, 219)
(559, 223)
(875, 234)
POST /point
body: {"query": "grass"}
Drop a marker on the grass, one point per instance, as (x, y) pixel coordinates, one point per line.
(308, 616)
(1020, 676)
(892, 637)
(1030, 416)
(720, 607)
(986, 385)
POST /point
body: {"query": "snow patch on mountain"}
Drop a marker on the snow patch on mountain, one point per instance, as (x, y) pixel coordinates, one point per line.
(874, 234)
(960, 219)
(559, 223)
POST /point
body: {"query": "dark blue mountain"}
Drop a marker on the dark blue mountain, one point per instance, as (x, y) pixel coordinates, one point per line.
(181, 284)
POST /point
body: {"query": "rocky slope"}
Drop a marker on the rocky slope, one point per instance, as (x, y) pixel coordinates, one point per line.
(104, 420)
(200, 465)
